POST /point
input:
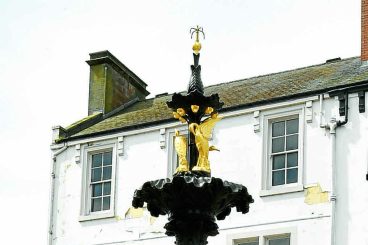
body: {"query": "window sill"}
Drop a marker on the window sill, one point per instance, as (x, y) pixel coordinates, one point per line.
(96, 216)
(283, 190)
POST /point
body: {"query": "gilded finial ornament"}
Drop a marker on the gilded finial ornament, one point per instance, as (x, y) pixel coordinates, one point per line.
(197, 45)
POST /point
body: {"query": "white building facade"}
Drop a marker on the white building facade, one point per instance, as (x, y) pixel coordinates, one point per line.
(301, 211)
(298, 140)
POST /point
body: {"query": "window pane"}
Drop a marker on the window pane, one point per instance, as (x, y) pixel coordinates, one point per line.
(96, 204)
(96, 160)
(278, 144)
(106, 173)
(278, 162)
(96, 174)
(96, 190)
(248, 243)
(292, 142)
(292, 126)
(292, 159)
(292, 175)
(106, 203)
(107, 158)
(278, 129)
(280, 241)
(278, 177)
(107, 188)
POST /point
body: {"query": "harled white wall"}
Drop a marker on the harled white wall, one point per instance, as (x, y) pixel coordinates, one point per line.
(240, 161)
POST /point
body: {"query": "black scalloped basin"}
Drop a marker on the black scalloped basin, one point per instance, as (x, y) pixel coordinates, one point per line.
(189, 194)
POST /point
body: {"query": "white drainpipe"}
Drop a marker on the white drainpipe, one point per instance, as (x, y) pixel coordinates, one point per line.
(51, 207)
(321, 124)
(331, 126)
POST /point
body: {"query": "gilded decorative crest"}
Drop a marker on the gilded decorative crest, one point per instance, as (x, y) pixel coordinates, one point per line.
(202, 134)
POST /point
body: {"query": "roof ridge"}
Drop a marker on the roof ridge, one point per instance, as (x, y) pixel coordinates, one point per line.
(333, 75)
(280, 72)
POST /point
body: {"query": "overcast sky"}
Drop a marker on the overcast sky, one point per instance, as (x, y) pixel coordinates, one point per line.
(44, 77)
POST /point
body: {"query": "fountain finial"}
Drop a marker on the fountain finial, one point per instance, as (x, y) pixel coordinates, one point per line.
(197, 45)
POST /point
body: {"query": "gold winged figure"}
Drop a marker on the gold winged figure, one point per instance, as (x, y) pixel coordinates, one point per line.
(202, 135)
(180, 143)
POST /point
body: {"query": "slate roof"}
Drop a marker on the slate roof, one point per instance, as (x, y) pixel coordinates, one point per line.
(241, 94)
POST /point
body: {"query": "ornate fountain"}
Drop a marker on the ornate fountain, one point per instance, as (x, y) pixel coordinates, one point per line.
(192, 199)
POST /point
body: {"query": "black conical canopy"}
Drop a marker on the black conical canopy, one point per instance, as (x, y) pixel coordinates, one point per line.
(195, 82)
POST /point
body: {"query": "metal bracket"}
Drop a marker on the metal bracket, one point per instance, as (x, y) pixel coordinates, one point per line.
(361, 96)
(342, 105)
(77, 153)
(256, 122)
(162, 138)
(309, 111)
(121, 146)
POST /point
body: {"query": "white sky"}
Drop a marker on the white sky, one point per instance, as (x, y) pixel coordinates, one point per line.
(44, 79)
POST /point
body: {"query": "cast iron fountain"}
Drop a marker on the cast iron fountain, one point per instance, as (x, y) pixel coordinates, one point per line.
(192, 199)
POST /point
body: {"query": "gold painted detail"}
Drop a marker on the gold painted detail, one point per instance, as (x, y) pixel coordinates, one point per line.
(208, 110)
(315, 195)
(197, 45)
(202, 134)
(178, 114)
(180, 143)
(180, 111)
(194, 108)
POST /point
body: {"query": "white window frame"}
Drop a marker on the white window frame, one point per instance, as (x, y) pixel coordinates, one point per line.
(88, 150)
(244, 240)
(263, 236)
(268, 118)
(274, 237)
(172, 155)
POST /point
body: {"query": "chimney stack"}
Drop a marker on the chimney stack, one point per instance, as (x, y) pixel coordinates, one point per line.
(364, 32)
(111, 84)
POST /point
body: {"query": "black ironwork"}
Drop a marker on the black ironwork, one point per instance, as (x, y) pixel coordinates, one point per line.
(193, 203)
(194, 96)
(193, 200)
(342, 108)
(361, 96)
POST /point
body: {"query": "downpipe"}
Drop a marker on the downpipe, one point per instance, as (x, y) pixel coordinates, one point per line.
(332, 126)
(52, 193)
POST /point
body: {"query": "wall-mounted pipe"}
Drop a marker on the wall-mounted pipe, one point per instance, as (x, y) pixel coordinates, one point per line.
(332, 126)
(52, 193)
(321, 124)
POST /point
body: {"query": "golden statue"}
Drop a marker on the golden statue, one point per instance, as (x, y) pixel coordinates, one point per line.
(180, 143)
(202, 135)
